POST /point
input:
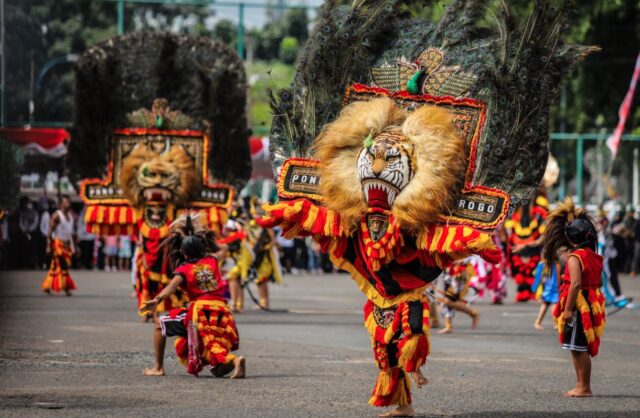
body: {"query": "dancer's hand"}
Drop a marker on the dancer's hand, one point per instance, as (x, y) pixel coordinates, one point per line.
(150, 305)
(567, 315)
(517, 248)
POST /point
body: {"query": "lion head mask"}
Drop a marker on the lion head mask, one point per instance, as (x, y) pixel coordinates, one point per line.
(378, 155)
(149, 176)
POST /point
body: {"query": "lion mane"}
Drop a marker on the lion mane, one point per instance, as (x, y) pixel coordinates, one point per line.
(173, 170)
(439, 160)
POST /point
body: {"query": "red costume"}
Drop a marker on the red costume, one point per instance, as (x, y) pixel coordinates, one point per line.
(211, 332)
(589, 303)
(525, 227)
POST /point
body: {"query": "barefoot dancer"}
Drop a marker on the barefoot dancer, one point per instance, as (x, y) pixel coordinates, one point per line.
(579, 315)
(239, 257)
(61, 247)
(206, 330)
(456, 282)
(407, 158)
(267, 263)
(368, 236)
(546, 289)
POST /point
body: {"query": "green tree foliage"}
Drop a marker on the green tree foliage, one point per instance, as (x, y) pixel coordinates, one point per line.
(268, 40)
(296, 24)
(40, 30)
(289, 50)
(225, 31)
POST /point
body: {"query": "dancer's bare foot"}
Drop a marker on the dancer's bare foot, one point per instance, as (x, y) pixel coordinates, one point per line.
(446, 330)
(402, 411)
(578, 393)
(68, 293)
(419, 379)
(153, 372)
(238, 368)
(538, 326)
(47, 291)
(475, 318)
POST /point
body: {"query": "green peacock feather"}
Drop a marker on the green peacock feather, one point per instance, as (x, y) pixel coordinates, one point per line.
(517, 69)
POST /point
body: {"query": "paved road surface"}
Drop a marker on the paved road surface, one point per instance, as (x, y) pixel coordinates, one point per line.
(84, 355)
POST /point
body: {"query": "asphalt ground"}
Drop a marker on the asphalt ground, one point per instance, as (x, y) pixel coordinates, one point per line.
(82, 356)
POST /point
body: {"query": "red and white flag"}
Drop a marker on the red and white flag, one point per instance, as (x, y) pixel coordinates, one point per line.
(613, 142)
(50, 142)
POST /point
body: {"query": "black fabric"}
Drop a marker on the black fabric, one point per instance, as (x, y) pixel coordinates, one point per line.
(391, 286)
(415, 317)
(573, 337)
(428, 274)
(173, 327)
(392, 352)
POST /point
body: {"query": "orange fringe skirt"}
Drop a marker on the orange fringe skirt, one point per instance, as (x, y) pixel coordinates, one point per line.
(211, 336)
(400, 340)
(590, 305)
(58, 278)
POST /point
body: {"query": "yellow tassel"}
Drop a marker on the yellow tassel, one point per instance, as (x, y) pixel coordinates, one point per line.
(401, 397)
(408, 350)
(383, 383)
(583, 307)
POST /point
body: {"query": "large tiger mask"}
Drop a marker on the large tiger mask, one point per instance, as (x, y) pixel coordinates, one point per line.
(378, 155)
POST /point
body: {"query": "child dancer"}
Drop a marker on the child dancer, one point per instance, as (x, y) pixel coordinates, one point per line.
(206, 329)
(456, 282)
(545, 287)
(579, 314)
(266, 264)
(238, 259)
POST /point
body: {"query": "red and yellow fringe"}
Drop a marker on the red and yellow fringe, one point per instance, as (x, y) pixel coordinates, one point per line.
(382, 251)
(124, 220)
(111, 220)
(302, 217)
(217, 332)
(444, 244)
(392, 387)
(592, 314)
(58, 279)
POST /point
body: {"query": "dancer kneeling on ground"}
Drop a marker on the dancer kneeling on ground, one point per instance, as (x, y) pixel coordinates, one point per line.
(206, 332)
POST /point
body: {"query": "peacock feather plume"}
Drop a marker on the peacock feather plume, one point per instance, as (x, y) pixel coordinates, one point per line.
(199, 77)
(476, 51)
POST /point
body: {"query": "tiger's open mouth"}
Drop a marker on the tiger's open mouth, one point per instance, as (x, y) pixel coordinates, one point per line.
(379, 193)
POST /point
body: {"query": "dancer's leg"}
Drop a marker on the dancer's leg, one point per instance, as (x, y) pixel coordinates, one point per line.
(159, 342)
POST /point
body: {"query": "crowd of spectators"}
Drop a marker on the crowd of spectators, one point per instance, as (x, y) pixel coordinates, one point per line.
(23, 240)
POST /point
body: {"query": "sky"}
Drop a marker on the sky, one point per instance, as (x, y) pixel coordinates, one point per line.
(257, 17)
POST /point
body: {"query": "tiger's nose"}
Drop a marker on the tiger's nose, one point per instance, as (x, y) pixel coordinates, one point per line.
(378, 166)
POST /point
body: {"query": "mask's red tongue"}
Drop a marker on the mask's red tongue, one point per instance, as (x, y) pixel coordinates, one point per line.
(378, 198)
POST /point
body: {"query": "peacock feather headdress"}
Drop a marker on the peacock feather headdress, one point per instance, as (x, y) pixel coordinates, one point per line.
(497, 78)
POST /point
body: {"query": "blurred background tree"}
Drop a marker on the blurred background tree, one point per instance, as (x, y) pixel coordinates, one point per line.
(39, 30)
